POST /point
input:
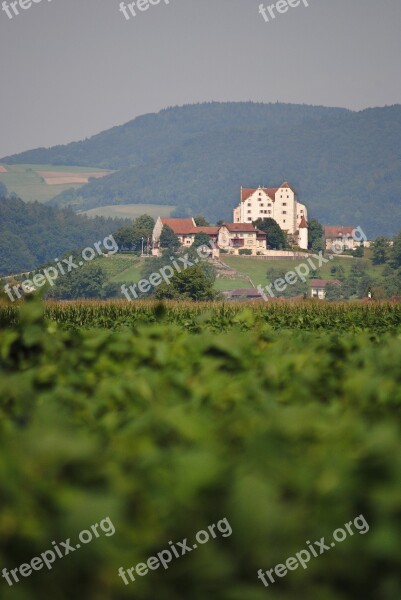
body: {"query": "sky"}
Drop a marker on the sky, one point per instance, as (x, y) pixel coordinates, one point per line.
(72, 68)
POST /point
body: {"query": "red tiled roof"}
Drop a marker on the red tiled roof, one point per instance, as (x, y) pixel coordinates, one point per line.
(303, 224)
(322, 283)
(187, 227)
(242, 227)
(246, 192)
(332, 232)
(209, 230)
(271, 192)
(180, 226)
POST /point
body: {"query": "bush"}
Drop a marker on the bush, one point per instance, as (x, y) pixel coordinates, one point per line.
(245, 251)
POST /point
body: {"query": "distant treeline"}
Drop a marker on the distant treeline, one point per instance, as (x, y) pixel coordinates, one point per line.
(32, 234)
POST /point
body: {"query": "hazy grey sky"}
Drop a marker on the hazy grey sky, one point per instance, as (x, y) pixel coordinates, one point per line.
(71, 68)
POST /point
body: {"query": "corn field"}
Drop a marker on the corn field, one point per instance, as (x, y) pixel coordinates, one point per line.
(217, 316)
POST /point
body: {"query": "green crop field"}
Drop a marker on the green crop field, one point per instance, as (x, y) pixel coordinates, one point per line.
(278, 424)
(131, 211)
(308, 315)
(29, 185)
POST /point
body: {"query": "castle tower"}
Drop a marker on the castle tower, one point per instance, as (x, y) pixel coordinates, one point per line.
(303, 234)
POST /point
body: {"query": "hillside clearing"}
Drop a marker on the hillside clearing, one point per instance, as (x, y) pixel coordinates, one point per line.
(43, 182)
(130, 211)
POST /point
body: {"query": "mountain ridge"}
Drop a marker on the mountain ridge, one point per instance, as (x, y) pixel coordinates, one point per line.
(345, 165)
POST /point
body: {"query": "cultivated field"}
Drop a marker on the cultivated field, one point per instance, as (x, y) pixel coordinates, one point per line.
(43, 182)
(308, 315)
(131, 211)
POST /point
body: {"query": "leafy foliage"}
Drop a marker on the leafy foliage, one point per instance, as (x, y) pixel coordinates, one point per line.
(334, 292)
(298, 288)
(86, 282)
(395, 256)
(168, 239)
(276, 238)
(201, 221)
(380, 248)
(201, 239)
(192, 283)
(289, 435)
(136, 235)
(315, 236)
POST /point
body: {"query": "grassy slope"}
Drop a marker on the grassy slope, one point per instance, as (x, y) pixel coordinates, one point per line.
(122, 268)
(257, 268)
(27, 184)
(127, 268)
(225, 285)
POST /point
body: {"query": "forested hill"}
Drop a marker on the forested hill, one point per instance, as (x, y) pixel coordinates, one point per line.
(33, 234)
(139, 141)
(346, 166)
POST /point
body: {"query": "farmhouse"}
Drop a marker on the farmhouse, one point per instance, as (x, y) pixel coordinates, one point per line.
(337, 236)
(280, 204)
(237, 236)
(184, 229)
(229, 236)
(319, 287)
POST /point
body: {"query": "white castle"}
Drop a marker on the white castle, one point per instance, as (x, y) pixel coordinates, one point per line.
(280, 204)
